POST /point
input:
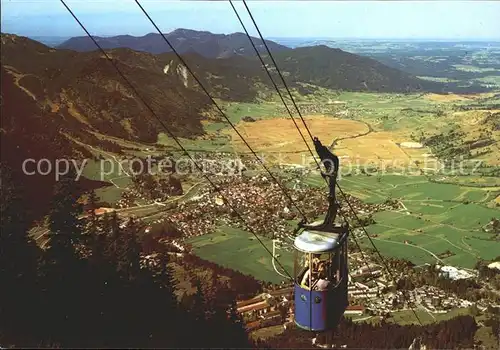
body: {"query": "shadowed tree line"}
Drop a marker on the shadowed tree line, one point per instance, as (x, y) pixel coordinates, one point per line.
(452, 334)
(89, 288)
(243, 286)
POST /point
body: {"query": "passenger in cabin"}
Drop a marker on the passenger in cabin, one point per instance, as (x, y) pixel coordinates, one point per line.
(322, 282)
(307, 274)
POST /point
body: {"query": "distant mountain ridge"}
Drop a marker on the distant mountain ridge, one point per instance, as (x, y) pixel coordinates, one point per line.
(84, 90)
(319, 64)
(204, 43)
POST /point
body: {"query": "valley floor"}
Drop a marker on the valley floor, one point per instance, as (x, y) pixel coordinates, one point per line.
(443, 216)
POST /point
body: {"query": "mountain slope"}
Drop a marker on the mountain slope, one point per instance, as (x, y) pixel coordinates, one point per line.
(85, 89)
(204, 43)
(85, 93)
(30, 132)
(337, 69)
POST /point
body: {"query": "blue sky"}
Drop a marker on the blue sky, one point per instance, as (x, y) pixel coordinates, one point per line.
(459, 20)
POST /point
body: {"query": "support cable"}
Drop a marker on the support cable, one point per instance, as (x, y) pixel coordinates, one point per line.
(277, 69)
(285, 192)
(226, 201)
(338, 186)
(270, 76)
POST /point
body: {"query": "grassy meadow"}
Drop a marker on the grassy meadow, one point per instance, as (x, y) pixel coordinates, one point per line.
(439, 214)
(239, 250)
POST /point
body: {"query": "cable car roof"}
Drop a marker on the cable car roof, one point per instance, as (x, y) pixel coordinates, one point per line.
(316, 242)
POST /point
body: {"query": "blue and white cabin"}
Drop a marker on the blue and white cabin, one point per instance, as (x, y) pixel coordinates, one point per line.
(321, 277)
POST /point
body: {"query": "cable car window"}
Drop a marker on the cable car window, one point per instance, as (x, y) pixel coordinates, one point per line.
(337, 266)
(302, 268)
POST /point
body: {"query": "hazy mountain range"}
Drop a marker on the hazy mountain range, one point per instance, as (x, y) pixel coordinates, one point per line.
(184, 41)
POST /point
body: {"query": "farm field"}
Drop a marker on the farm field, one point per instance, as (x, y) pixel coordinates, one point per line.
(240, 251)
(483, 334)
(108, 169)
(279, 134)
(367, 126)
(435, 219)
(110, 194)
(200, 144)
(355, 141)
(487, 182)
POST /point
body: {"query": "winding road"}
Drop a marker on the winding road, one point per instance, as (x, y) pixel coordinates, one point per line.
(412, 245)
(274, 262)
(370, 129)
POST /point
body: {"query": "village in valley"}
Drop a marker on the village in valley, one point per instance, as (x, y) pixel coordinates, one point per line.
(374, 294)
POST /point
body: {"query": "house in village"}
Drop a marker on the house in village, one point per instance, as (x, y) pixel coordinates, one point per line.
(257, 307)
(354, 310)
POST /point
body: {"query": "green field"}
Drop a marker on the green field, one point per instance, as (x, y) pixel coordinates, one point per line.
(109, 194)
(469, 68)
(102, 170)
(430, 227)
(490, 80)
(437, 220)
(107, 169)
(407, 317)
(240, 251)
(439, 79)
(218, 143)
(483, 181)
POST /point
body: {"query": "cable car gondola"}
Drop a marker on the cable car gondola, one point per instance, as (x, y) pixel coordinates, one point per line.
(321, 272)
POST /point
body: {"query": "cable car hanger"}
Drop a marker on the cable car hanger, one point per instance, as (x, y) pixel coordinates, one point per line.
(331, 164)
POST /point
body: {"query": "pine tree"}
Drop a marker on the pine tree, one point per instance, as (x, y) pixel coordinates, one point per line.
(62, 272)
(130, 248)
(93, 219)
(95, 237)
(103, 299)
(197, 321)
(198, 307)
(113, 233)
(166, 322)
(238, 336)
(19, 309)
(64, 224)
